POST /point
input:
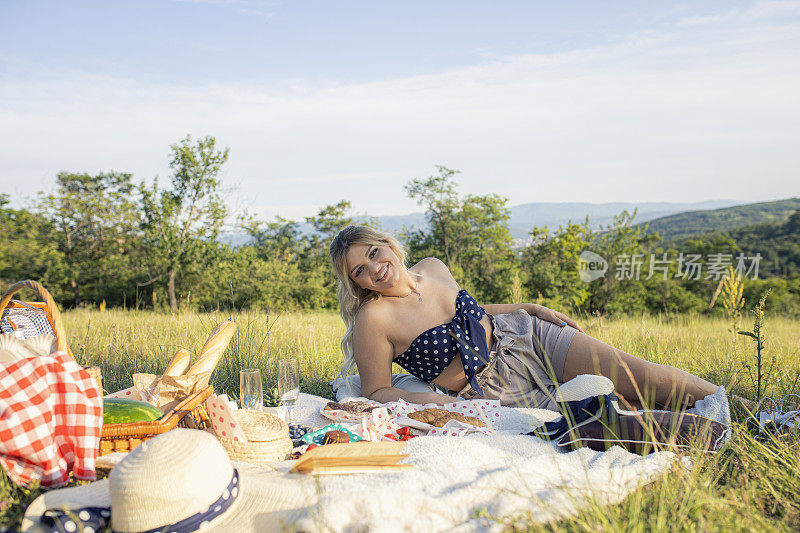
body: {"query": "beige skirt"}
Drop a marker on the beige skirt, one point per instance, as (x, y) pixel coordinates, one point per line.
(526, 362)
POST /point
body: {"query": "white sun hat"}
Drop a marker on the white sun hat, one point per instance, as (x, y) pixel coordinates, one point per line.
(184, 480)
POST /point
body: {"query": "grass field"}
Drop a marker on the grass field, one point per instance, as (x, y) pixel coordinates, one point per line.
(751, 485)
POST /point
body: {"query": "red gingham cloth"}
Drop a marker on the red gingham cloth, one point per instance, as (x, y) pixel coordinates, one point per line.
(51, 413)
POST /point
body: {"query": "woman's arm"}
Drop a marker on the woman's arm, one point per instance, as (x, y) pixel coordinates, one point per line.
(545, 313)
(392, 394)
(373, 353)
(501, 309)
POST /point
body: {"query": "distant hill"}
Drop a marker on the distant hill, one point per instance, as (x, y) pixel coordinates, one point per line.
(687, 224)
(778, 243)
(525, 216)
(554, 214)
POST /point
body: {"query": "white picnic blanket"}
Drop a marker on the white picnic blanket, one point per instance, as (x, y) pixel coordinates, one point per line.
(459, 481)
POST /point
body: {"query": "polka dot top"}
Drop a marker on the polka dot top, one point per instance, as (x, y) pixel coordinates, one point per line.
(464, 336)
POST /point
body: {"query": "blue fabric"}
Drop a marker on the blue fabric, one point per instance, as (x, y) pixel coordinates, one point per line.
(97, 518)
(434, 349)
(575, 413)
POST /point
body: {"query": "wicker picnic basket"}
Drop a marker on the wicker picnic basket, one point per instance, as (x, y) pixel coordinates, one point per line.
(189, 413)
(43, 317)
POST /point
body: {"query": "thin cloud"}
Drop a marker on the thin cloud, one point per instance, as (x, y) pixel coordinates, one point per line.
(262, 9)
(657, 114)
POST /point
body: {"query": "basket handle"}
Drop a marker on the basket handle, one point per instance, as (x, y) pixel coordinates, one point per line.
(52, 307)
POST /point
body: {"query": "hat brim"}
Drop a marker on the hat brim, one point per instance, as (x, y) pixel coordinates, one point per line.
(90, 495)
(268, 501)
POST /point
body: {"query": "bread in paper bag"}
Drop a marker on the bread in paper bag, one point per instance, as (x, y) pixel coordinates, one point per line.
(171, 390)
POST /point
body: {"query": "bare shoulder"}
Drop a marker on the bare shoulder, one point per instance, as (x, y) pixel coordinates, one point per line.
(372, 318)
(431, 262)
(433, 267)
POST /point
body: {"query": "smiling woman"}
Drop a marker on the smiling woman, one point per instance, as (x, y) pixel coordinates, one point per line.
(517, 354)
(376, 268)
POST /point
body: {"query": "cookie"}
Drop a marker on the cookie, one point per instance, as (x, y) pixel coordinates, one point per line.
(335, 437)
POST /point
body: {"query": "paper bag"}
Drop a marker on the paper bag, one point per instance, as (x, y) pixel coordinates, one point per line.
(223, 419)
(171, 390)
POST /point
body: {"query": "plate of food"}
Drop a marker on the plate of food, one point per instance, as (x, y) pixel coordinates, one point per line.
(330, 434)
(351, 411)
(431, 418)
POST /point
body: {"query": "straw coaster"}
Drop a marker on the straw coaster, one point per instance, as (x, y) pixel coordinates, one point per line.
(267, 439)
(258, 426)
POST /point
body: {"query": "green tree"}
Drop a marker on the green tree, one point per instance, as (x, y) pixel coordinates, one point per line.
(469, 234)
(320, 286)
(27, 250)
(551, 264)
(624, 246)
(280, 238)
(281, 275)
(288, 268)
(93, 222)
(487, 260)
(181, 224)
(448, 232)
(327, 223)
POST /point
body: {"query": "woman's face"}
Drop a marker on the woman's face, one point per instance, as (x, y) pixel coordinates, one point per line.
(372, 267)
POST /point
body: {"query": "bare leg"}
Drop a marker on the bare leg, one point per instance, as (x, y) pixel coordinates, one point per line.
(640, 382)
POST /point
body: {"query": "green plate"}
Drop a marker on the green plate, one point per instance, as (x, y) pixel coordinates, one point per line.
(318, 436)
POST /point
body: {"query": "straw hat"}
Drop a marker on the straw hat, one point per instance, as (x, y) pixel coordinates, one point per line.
(184, 477)
(267, 439)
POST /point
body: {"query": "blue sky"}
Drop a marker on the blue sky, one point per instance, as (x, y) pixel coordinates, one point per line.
(319, 101)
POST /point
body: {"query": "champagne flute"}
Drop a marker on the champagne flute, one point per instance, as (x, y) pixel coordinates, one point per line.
(251, 392)
(288, 384)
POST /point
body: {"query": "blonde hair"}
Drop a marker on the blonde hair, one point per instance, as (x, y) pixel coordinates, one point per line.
(351, 296)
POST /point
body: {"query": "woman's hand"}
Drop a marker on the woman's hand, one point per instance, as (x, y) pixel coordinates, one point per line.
(560, 319)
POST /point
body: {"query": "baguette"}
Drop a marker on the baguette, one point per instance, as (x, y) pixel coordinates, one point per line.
(213, 349)
(179, 363)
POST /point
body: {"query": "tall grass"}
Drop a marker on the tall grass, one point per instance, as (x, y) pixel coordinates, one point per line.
(752, 485)
(123, 342)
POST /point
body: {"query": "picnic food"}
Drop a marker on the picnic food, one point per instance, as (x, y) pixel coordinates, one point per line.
(124, 410)
(401, 434)
(176, 367)
(318, 436)
(440, 417)
(333, 437)
(212, 350)
(296, 430)
(427, 416)
(354, 407)
(296, 433)
(179, 363)
(442, 420)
